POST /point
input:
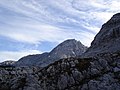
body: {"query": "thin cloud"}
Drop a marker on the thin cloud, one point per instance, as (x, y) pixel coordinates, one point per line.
(36, 33)
(53, 18)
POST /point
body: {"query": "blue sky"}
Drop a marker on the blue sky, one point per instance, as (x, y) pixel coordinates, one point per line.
(36, 26)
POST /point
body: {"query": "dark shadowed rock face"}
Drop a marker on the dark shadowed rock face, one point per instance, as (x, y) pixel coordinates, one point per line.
(68, 48)
(108, 39)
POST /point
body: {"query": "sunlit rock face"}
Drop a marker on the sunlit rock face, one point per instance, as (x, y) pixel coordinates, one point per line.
(68, 48)
(108, 39)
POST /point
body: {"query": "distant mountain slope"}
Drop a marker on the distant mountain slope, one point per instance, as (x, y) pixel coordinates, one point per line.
(7, 63)
(108, 39)
(31, 60)
(68, 48)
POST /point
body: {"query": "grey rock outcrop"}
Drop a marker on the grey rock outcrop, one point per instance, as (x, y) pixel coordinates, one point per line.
(93, 73)
(7, 63)
(108, 38)
(68, 48)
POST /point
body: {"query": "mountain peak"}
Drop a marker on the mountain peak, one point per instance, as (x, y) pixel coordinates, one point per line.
(70, 40)
(66, 49)
(68, 46)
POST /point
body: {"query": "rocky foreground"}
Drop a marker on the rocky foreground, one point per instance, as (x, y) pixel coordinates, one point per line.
(101, 72)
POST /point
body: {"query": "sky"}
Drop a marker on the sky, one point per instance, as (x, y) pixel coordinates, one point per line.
(37, 26)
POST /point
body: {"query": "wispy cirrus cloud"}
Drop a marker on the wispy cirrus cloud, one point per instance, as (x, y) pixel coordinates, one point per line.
(52, 21)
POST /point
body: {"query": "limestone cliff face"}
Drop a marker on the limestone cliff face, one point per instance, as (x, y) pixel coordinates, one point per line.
(108, 39)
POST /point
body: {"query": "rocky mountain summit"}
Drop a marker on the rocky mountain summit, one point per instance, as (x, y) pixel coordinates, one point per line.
(68, 48)
(98, 69)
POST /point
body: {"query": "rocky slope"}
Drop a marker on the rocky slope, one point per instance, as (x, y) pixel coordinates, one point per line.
(108, 39)
(68, 48)
(7, 63)
(96, 71)
(31, 60)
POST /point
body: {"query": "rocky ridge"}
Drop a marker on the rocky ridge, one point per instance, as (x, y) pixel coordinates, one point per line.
(7, 63)
(108, 39)
(68, 48)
